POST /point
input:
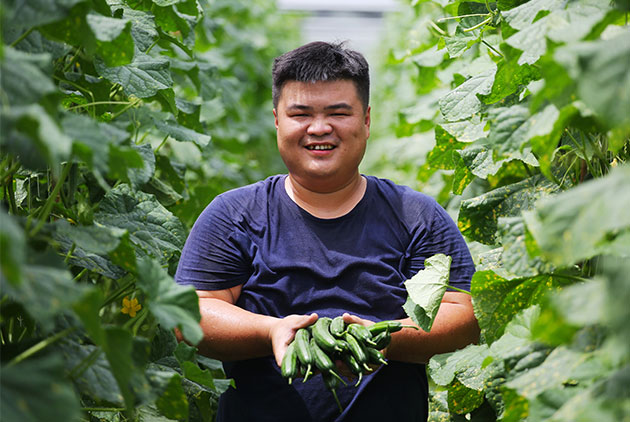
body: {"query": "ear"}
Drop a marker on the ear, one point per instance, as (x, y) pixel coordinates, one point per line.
(368, 120)
(275, 117)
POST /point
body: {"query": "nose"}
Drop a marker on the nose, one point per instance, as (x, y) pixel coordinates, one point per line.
(319, 127)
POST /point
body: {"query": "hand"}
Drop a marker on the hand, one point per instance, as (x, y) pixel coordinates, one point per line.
(353, 319)
(283, 331)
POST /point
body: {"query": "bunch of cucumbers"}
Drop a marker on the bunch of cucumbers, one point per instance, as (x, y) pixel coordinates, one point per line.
(329, 339)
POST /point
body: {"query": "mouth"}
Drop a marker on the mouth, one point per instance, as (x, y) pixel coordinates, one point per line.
(320, 147)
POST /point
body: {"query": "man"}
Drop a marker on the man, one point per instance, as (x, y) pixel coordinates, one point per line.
(324, 240)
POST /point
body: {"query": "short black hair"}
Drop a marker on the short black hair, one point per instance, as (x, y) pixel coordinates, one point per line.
(322, 61)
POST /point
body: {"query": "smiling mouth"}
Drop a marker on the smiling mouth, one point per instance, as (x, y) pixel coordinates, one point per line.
(320, 147)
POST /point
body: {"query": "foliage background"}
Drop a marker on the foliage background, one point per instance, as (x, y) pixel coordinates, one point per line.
(122, 119)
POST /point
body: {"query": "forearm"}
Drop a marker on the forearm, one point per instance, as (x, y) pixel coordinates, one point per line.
(454, 328)
(232, 333)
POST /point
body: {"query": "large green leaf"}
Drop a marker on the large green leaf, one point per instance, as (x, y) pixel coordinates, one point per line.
(95, 247)
(581, 222)
(174, 306)
(33, 13)
(153, 229)
(25, 76)
(426, 289)
(479, 216)
(462, 102)
(36, 390)
(512, 128)
(12, 248)
(554, 372)
(559, 25)
(92, 372)
(93, 142)
(30, 128)
(127, 360)
(515, 257)
(497, 300)
(182, 133)
(510, 77)
(600, 69)
(114, 43)
(47, 291)
(144, 77)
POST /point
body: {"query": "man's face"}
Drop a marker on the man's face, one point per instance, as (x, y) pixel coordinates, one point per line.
(322, 131)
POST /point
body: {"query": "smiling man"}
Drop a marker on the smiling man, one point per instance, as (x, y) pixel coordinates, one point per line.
(323, 240)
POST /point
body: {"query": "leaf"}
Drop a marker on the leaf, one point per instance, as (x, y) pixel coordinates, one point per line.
(25, 77)
(581, 222)
(173, 402)
(460, 42)
(36, 389)
(181, 133)
(152, 228)
(513, 127)
(40, 133)
(515, 257)
(600, 71)
(441, 156)
(140, 176)
(443, 368)
(568, 25)
(95, 379)
(462, 399)
(462, 102)
(93, 141)
(113, 40)
(497, 300)
(143, 29)
(121, 350)
(47, 290)
(33, 13)
(553, 372)
(426, 289)
(478, 216)
(174, 306)
(510, 77)
(12, 248)
(144, 77)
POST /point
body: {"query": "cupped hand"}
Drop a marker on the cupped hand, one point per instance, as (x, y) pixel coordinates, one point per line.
(283, 331)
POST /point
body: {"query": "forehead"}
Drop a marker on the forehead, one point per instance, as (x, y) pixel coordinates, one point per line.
(319, 93)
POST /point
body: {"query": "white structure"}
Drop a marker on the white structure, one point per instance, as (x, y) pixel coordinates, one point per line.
(359, 22)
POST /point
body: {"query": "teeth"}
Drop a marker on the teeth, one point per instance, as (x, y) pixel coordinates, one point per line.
(320, 147)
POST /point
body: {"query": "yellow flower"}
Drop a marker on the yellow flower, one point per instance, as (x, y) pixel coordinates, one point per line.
(130, 306)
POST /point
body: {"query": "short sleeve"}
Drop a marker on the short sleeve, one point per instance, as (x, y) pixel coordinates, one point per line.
(215, 254)
(441, 235)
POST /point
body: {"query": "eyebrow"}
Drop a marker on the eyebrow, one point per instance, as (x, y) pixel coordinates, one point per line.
(328, 107)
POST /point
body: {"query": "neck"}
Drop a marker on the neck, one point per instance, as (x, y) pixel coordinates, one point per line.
(329, 204)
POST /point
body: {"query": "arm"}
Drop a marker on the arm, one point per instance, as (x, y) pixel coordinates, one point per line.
(455, 327)
(232, 333)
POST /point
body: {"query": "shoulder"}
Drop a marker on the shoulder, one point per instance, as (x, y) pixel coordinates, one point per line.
(242, 202)
(248, 196)
(409, 202)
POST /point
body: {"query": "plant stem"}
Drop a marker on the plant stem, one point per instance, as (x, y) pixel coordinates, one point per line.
(21, 37)
(492, 48)
(479, 25)
(162, 143)
(40, 346)
(448, 18)
(101, 103)
(437, 28)
(51, 199)
(102, 409)
(85, 363)
(459, 290)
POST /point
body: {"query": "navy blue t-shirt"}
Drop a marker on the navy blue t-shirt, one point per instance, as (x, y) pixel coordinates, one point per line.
(291, 262)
